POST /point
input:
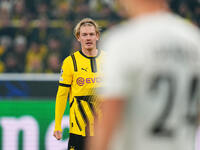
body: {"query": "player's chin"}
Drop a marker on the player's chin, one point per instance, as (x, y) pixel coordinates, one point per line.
(89, 48)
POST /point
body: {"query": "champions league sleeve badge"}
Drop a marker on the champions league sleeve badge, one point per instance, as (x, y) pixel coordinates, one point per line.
(61, 78)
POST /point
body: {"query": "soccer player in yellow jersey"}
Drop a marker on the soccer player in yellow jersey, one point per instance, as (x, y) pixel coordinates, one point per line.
(79, 78)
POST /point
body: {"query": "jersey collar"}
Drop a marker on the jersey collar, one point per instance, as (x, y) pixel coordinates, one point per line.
(81, 52)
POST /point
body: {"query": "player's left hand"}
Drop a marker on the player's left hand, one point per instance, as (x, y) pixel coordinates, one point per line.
(57, 135)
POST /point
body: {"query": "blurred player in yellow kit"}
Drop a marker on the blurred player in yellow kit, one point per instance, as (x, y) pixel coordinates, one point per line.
(79, 79)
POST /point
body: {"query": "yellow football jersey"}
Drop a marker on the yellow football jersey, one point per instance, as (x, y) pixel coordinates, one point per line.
(81, 74)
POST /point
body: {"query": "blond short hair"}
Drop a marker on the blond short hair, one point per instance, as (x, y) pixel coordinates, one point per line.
(86, 22)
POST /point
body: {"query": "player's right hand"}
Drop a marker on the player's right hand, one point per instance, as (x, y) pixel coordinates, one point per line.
(57, 135)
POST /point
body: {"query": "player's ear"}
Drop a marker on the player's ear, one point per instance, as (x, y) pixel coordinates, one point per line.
(98, 36)
(78, 38)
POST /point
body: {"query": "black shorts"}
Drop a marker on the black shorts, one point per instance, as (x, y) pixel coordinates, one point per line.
(76, 142)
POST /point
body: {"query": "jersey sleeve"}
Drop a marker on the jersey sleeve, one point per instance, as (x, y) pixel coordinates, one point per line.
(63, 91)
(66, 72)
(61, 102)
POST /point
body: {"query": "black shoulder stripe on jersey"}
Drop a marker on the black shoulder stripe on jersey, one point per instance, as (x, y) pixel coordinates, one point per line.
(93, 65)
(65, 85)
(74, 62)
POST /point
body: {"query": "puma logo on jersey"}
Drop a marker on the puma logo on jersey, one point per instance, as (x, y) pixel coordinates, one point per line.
(84, 69)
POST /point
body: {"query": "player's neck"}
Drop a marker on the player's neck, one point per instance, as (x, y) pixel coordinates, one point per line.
(90, 53)
(149, 8)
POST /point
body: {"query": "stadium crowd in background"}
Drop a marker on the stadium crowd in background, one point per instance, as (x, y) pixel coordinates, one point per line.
(36, 35)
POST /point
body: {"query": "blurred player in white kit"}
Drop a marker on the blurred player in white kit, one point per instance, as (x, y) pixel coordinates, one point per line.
(152, 81)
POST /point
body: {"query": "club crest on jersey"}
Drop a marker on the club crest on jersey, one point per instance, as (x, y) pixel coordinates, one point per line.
(82, 81)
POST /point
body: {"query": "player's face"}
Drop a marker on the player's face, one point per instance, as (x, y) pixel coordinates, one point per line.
(88, 37)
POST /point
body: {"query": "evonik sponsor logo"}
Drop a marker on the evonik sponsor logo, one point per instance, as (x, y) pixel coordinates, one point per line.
(81, 81)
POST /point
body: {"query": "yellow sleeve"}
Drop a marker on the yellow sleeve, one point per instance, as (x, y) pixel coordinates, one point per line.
(67, 72)
(63, 91)
(61, 101)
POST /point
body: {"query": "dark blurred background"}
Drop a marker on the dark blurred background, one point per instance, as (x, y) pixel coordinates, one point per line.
(36, 35)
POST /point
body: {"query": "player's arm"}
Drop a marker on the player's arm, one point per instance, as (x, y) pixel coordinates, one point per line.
(62, 96)
(112, 109)
(61, 101)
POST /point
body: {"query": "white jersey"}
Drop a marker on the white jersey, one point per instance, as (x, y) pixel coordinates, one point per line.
(154, 63)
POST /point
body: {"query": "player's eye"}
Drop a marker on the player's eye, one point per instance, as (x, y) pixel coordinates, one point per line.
(84, 34)
(92, 34)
